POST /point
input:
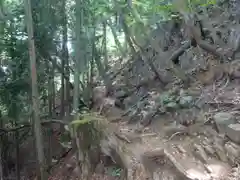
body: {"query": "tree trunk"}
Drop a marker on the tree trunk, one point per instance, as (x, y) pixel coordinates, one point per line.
(78, 34)
(62, 92)
(1, 143)
(53, 89)
(127, 35)
(35, 95)
(49, 153)
(1, 163)
(117, 42)
(65, 64)
(100, 67)
(78, 31)
(50, 112)
(105, 46)
(50, 103)
(13, 111)
(17, 153)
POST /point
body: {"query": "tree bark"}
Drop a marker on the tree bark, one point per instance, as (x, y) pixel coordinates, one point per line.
(35, 94)
(101, 70)
(1, 163)
(105, 46)
(78, 55)
(50, 103)
(13, 111)
(53, 89)
(65, 63)
(127, 35)
(117, 42)
(1, 143)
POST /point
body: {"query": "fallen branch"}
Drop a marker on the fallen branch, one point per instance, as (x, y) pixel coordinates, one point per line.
(59, 160)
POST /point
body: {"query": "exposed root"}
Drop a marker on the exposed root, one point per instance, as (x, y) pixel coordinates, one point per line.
(122, 137)
(177, 133)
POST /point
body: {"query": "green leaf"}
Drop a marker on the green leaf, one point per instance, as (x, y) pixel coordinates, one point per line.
(116, 172)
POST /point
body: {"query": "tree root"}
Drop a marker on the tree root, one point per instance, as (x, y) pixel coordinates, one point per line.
(177, 133)
(175, 56)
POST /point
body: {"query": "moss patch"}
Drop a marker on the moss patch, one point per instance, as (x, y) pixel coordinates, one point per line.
(86, 128)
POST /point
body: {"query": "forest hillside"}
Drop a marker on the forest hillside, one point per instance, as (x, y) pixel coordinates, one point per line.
(119, 90)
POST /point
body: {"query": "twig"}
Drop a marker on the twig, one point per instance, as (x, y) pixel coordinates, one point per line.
(175, 134)
(122, 137)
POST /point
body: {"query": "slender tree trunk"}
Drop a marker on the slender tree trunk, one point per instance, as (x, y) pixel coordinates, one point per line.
(62, 91)
(53, 89)
(50, 112)
(105, 46)
(65, 57)
(1, 143)
(50, 104)
(17, 153)
(127, 34)
(100, 67)
(91, 81)
(35, 95)
(13, 111)
(78, 62)
(117, 42)
(64, 41)
(49, 150)
(1, 163)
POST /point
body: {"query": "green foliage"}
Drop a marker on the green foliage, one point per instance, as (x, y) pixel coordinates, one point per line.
(191, 5)
(115, 171)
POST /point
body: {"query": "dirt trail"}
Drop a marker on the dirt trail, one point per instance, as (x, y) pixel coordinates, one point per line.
(170, 149)
(184, 143)
(181, 141)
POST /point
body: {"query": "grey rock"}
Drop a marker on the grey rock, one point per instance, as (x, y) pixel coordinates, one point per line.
(120, 93)
(233, 132)
(186, 101)
(182, 92)
(223, 119)
(171, 105)
(233, 151)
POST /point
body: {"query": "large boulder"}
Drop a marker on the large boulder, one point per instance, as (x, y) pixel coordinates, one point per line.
(223, 119)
